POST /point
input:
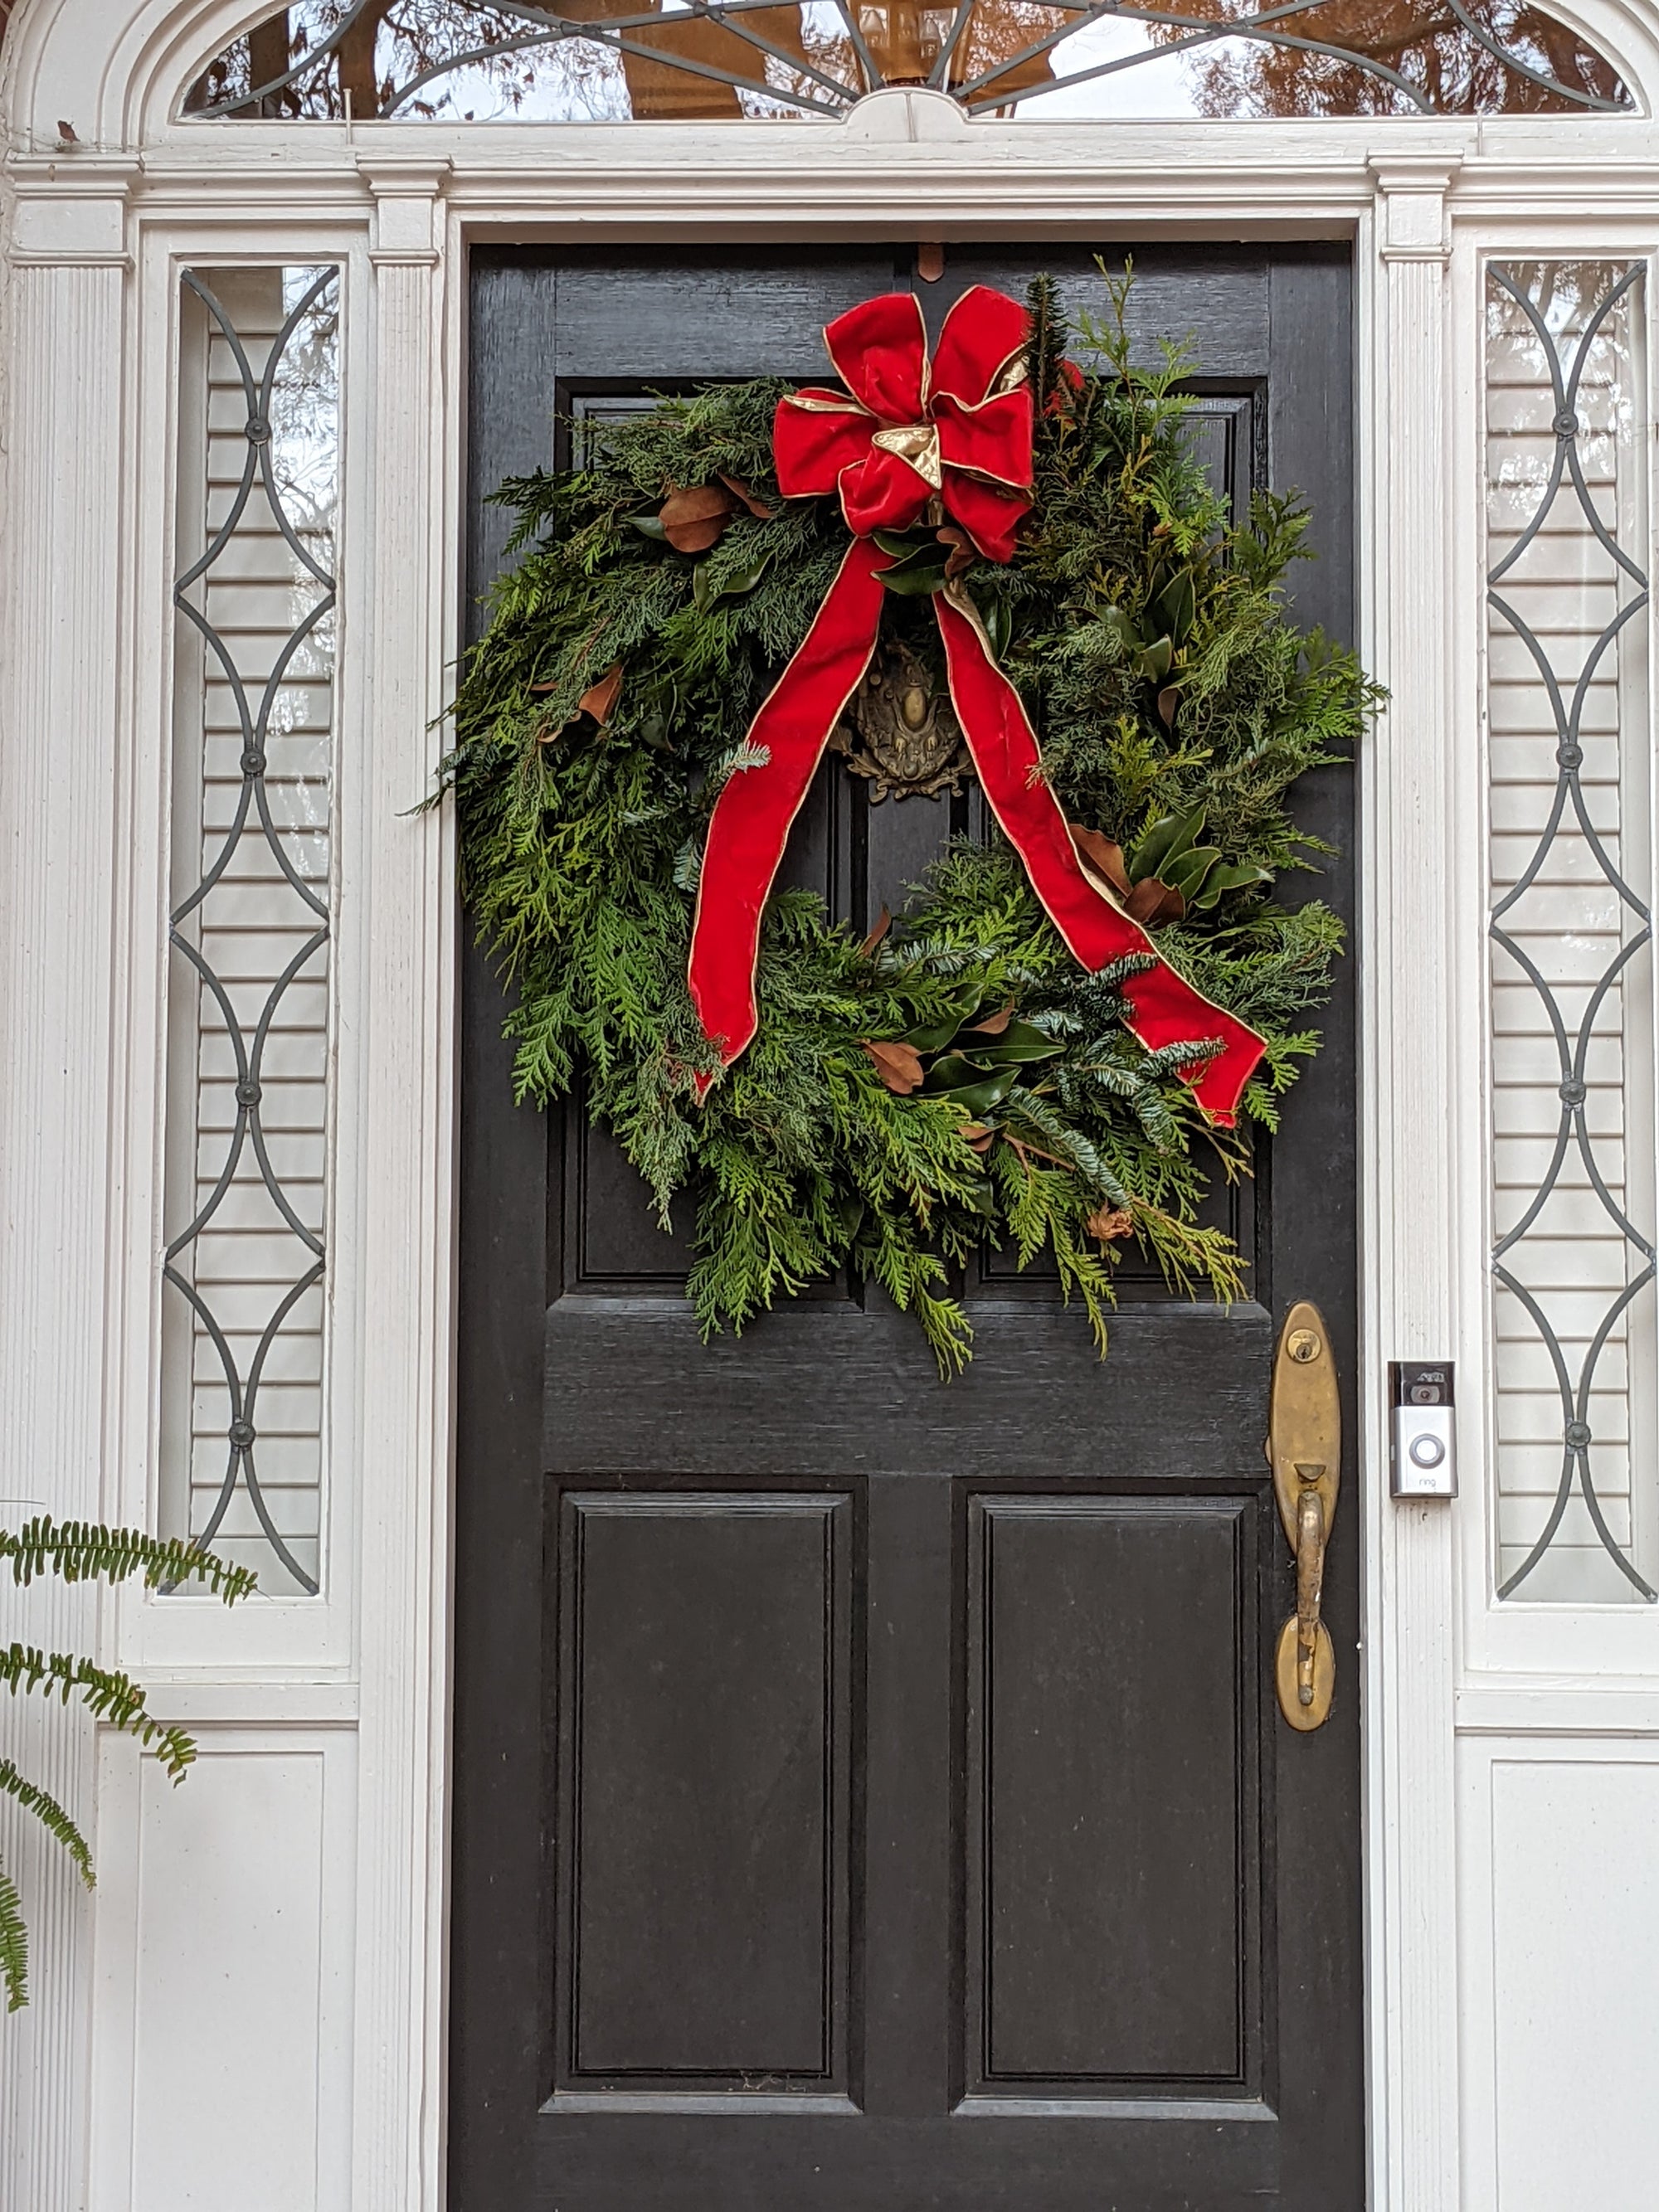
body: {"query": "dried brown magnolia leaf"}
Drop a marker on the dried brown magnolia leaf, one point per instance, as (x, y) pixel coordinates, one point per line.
(1109, 1224)
(980, 1138)
(963, 554)
(1167, 699)
(1098, 851)
(993, 1024)
(757, 508)
(692, 520)
(898, 1065)
(697, 536)
(599, 700)
(1153, 902)
(884, 923)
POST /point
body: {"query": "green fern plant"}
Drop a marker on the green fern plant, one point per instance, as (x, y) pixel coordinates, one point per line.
(77, 1551)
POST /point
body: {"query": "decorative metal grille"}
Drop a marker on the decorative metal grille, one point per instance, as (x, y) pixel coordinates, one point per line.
(596, 60)
(251, 932)
(1573, 929)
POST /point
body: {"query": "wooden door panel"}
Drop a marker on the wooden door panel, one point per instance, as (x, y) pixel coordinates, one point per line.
(1110, 1884)
(870, 1797)
(836, 1390)
(702, 1817)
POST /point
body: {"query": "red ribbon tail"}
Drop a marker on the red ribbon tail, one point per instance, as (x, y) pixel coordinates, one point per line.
(1165, 1008)
(754, 814)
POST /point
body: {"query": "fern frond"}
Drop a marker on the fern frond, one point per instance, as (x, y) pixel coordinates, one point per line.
(112, 1697)
(51, 1817)
(13, 1946)
(81, 1551)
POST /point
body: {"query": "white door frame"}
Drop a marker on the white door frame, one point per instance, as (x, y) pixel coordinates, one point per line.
(356, 1683)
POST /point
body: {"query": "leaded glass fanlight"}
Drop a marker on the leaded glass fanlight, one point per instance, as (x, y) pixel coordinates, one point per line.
(683, 60)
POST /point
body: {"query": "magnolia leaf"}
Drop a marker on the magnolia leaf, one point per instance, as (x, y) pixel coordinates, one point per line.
(915, 579)
(1178, 603)
(1157, 660)
(1019, 1045)
(978, 1138)
(599, 700)
(898, 1064)
(884, 923)
(1185, 871)
(649, 525)
(1099, 852)
(1153, 900)
(1171, 834)
(952, 1069)
(1123, 632)
(980, 1097)
(999, 625)
(692, 520)
(992, 1024)
(706, 594)
(902, 544)
(963, 552)
(757, 508)
(932, 1036)
(1167, 699)
(1220, 881)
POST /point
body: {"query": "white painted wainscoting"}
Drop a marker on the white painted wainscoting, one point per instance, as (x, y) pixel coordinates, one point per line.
(264, 1959)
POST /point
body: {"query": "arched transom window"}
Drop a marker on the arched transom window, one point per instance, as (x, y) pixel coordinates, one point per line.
(682, 60)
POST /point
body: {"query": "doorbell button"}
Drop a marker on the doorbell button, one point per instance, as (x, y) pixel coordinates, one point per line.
(1422, 1454)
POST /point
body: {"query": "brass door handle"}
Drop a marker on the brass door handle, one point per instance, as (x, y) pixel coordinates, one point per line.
(1304, 1448)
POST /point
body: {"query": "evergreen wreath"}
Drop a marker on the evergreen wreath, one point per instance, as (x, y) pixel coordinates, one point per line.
(956, 1080)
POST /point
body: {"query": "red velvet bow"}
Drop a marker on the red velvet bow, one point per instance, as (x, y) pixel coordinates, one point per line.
(957, 430)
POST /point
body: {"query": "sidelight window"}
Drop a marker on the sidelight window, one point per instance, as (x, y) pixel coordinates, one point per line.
(248, 1041)
(1571, 867)
(667, 60)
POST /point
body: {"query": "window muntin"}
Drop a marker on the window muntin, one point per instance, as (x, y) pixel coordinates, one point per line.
(1570, 876)
(249, 1048)
(614, 60)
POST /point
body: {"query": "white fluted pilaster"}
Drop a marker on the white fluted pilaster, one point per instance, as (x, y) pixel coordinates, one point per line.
(1412, 1228)
(60, 762)
(403, 1458)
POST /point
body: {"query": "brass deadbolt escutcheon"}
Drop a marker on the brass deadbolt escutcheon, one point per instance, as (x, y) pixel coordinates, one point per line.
(1305, 1447)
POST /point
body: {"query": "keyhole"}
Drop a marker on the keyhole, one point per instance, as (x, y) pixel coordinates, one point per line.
(1302, 1345)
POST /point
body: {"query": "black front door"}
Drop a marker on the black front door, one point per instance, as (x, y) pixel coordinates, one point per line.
(870, 1793)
